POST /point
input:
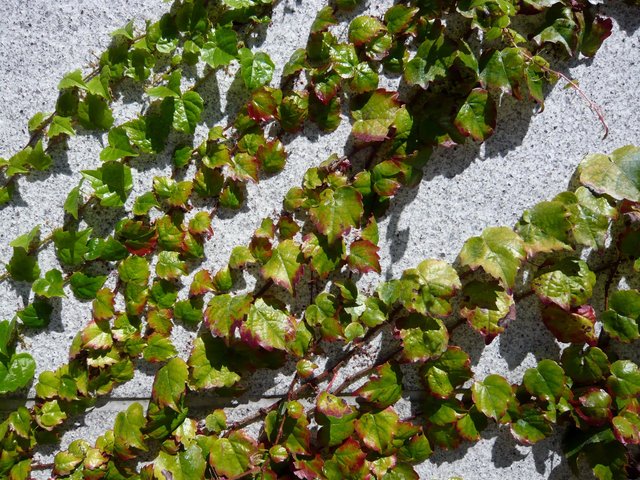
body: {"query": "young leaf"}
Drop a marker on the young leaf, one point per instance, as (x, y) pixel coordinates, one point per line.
(256, 70)
(337, 212)
(170, 383)
(616, 175)
(492, 396)
(268, 327)
(285, 265)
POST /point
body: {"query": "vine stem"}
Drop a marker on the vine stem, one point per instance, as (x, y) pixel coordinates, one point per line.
(595, 108)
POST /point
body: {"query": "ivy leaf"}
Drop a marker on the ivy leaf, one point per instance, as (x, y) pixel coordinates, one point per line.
(335, 418)
(337, 211)
(626, 427)
(50, 415)
(221, 47)
(447, 372)
(72, 202)
(208, 364)
(71, 245)
(477, 115)
(225, 312)
(621, 319)
(585, 366)
(624, 381)
(374, 118)
(112, 183)
(36, 315)
(268, 327)
(363, 29)
(503, 70)
(94, 113)
(384, 388)
(285, 265)
(169, 266)
(232, 456)
(183, 465)
(575, 326)
(170, 383)
(363, 257)
(324, 258)
(127, 433)
(377, 430)
(499, 251)
(529, 425)
(545, 228)
(23, 267)
(594, 407)
(176, 194)
(60, 126)
(487, 307)
(422, 337)
(568, 284)
(616, 175)
(17, 372)
(188, 110)
(546, 381)
(119, 146)
(256, 69)
(159, 348)
(348, 461)
(589, 217)
(49, 286)
(492, 396)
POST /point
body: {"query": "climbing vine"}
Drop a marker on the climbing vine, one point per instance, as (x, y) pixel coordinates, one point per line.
(456, 59)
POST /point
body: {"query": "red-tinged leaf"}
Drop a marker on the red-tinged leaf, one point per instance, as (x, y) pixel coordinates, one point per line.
(264, 104)
(138, 237)
(374, 118)
(363, 257)
(348, 461)
(477, 115)
(336, 419)
(103, 305)
(309, 469)
(384, 388)
(574, 326)
(170, 383)
(268, 327)
(225, 312)
(201, 283)
(337, 212)
(594, 407)
(377, 430)
(97, 335)
(285, 265)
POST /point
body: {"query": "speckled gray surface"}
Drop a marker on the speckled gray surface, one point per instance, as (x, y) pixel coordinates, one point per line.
(465, 189)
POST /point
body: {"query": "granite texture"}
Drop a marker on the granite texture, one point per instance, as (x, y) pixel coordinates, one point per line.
(465, 189)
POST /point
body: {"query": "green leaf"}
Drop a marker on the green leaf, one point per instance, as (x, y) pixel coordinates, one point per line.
(256, 70)
(72, 202)
(499, 251)
(23, 267)
(569, 283)
(208, 364)
(71, 246)
(224, 312)
(175, 194)
(624, 381)
(375, 117)
(503, 70)
(94, 113)
(363, 29)
(337, 212)
(72, 80)
(50, 415)
(545, 228)
(377, 430)
(268, 327)
(134, 269)
(184, 465)
(170, 383)
(585, 366)
(422, 337)
(127, 432)
(335, 418)
(17, 372)
(169, 266)
(363, 257)
(589, 217)
(444, 374)
(492, 396)
(49, 286)
(188, 110)
(159, 349)
(477, 115)
(621, 319)
(384, 388)
(575, 326)
(119, 146)
(221, 47)
(487, 307)
(60, 126)
(112, 183)
(616, 175)
(170, 90)
(529, 425)
(546, 381)
(324, 258)
(285, 265)
(231, 456)
(36, 314)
